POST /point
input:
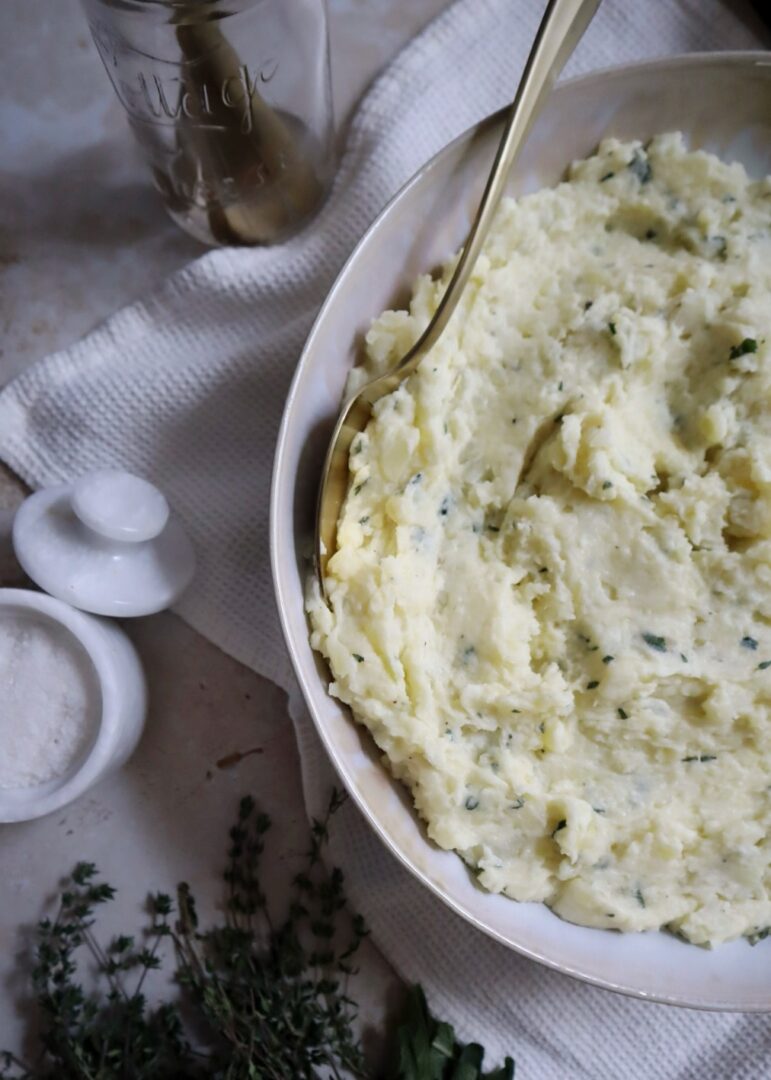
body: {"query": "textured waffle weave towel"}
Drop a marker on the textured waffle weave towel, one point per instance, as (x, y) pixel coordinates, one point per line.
(187, 388)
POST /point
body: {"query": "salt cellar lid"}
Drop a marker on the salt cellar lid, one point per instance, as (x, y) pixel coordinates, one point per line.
(107, 543)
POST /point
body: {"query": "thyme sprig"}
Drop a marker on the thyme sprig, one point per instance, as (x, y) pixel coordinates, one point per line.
(280, 1009)
(112, 1033)
(259, 999)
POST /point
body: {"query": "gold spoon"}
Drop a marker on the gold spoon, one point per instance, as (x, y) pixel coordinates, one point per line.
(560, 31)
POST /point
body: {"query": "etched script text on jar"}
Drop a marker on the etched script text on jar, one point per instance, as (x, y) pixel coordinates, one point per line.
(155, 99)
(230, 101)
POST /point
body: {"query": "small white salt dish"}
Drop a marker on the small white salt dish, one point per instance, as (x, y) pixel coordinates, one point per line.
(115, 690)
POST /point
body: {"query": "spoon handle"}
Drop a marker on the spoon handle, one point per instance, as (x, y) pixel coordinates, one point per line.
(561, 29)
(559, 33)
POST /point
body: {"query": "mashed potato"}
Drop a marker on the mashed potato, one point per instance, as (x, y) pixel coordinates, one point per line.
(551, 603)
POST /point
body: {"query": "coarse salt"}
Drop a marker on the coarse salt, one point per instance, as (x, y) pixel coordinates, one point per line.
(50, 701)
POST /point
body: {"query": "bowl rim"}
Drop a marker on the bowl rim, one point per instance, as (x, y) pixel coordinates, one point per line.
(749, 58)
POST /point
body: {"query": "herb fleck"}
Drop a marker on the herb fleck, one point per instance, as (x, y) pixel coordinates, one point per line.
(640, 167)
(358, 487)
(684, 658)
(592, 685)
(764, 664)
(607, 484)
(749, 345)
(364, 520)
(700, 757)
(749, 642)
(444, 508)
(416, 478)
(650, 234)
(639, 897)
(588, 304)
(608, 659)
(721, 246)
(612, 328)
(358, 659)
(561, 385)
(560, 825)
(471, 802)
(599, 809)
(623, 714)
(607, 176)
(517, 805)
(759, 935)
(655, 642)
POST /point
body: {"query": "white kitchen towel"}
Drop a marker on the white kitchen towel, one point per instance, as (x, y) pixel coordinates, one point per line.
(187, 388)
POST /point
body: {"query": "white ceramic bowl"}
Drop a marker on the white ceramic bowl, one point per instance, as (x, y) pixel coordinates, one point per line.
(723, 103)
(116, 683)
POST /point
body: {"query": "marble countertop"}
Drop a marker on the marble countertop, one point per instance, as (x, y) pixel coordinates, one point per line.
(82, 233)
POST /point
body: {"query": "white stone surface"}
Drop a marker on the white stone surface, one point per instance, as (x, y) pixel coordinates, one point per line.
(82, 233)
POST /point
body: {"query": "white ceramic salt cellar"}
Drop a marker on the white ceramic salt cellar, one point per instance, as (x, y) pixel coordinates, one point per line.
(105, 544)
(113, 691)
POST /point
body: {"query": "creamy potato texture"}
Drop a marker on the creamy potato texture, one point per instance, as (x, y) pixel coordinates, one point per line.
(551, 603)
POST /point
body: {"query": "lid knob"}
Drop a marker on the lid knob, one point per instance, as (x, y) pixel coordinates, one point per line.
(120, 506)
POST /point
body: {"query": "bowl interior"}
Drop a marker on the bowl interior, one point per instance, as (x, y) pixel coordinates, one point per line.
(722, 103)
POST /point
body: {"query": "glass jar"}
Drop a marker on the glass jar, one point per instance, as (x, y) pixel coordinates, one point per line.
(231, 103)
